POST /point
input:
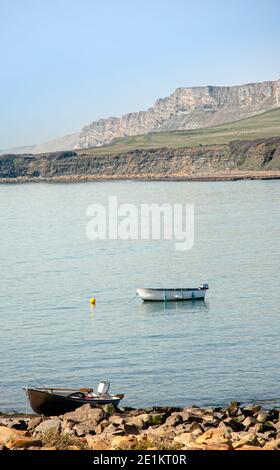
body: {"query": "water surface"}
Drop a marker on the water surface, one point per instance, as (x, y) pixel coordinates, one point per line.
(178, 353)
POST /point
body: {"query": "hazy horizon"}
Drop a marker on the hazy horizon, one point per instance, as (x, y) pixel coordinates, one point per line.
(68, 63)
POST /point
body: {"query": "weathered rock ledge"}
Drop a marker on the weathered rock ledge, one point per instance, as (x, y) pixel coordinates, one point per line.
(258, 159)
(106, 428)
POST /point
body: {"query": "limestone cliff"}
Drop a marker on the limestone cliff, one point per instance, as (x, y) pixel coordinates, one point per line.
(186, 108)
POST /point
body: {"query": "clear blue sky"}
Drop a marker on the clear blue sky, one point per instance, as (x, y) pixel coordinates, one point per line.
(65, 63)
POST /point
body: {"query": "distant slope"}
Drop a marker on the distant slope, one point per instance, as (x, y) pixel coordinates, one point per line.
(187, 108)
(264, 125)
(67, 142)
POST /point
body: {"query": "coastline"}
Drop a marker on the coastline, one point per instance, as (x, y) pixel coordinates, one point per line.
(155, 428)
(227, 176)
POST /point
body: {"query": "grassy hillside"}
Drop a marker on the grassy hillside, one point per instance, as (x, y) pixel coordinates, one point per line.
(263, 125)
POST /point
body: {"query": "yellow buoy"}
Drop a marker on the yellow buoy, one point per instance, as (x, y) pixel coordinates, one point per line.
(92, 301)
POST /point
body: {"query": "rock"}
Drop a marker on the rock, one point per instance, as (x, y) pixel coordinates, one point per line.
(24, 443)
(213, 437)
(109, 409)
(157, 419)
(174, 419)
(251, 410)
(116, 419)
(67, 425)
(100, 427)
(184, 439)
(49, 425)
(113, 429)
(86, 427)
(7, 435)
(97, 443)
(191, 417)
(86, 413)
(123, 443)
(19, 424)
(143, 421)
(262, 417)
(218, 415)
(248, 447)
(263, 427)
(233, 410)
(72, 448)
(234, 424)
(130, 429)
(33, 423)
(272, 445)
(249, 421)
(247, 439)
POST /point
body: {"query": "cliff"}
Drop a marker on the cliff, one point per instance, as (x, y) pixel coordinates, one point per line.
(186, 108)
(260, 158)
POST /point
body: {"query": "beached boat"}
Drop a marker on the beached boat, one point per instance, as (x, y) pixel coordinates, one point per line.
(162, 294)
(53, 401)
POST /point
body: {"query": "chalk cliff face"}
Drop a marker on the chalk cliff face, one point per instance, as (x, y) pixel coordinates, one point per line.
(186, 108)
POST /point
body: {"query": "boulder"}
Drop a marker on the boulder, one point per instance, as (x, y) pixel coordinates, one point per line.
(248, 422)
(234, 424)
(33, 423)
(246, 439)
(97, 443)
(23, 443)
(49, 425)
(234, 409)
(157, 419)
(143, 421)
(84, 428)
(174, 419)
(262, 417)
(251, 410)
(123, 442)
(185, 439)
(214, 437)
(191, 417)
(8, 434)
(19, 424)
(86, 413)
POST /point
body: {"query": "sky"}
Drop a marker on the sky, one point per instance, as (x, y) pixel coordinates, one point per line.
(66, 63)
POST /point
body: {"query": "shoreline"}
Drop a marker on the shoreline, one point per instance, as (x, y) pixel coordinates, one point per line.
(229, 176)
(234, 427)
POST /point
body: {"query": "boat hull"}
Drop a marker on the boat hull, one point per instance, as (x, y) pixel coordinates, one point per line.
(164, 295)
(51, 404)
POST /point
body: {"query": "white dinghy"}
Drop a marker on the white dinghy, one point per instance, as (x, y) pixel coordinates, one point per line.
(164, 295)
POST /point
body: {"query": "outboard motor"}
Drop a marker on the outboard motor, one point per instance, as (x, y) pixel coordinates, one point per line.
(103, 387)
(204, 286)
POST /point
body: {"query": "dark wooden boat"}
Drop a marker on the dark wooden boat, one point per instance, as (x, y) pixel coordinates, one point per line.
(54, 402)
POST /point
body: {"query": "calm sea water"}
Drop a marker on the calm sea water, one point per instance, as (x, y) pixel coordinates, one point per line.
(179, 353)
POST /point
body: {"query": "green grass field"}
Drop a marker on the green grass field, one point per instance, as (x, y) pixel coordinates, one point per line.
(263, 125)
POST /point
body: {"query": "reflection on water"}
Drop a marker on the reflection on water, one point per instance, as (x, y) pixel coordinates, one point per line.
(187, 306)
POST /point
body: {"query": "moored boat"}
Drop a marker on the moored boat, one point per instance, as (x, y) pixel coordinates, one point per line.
(53, 401)
(175, 294)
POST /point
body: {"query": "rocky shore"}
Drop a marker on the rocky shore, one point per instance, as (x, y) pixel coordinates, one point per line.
(259, 159)
(107, 428)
